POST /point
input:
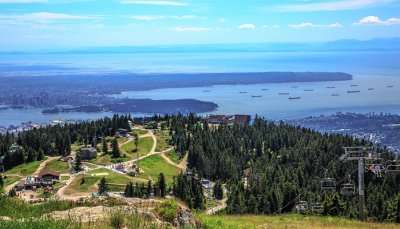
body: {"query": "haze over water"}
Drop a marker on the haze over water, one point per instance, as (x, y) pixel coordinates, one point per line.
(375, 70)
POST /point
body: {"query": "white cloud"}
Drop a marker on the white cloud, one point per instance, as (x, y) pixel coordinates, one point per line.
(247, 26)
(192, 29)
(43, 17)
(312, 25)
(161, 17)
(21, 1)
(155, 2)
(331, 5)
(374, 20)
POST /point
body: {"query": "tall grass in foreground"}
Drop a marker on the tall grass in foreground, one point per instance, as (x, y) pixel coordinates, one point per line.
(38, 224)
(288, 221)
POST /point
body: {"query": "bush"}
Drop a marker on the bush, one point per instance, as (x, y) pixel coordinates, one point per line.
(168, 210)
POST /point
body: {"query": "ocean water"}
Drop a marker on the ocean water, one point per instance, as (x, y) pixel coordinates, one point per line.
(375, 70)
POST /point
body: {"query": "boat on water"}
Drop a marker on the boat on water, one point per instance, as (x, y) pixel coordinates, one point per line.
(243, 92)
(335, 94)
(283, 93)
(206, 91)
(351, 92)
(294, 97)
(264, 89)
(390, 86)
(256, 96)
(308, 89)
(354, 85)
(330, 87)
(371, 89)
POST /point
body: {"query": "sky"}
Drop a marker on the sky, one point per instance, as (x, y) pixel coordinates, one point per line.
(58, 24)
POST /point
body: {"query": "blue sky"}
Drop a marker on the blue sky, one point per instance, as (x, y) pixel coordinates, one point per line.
(51, 24)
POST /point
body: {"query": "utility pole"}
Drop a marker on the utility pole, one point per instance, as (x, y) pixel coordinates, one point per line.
(360, 154)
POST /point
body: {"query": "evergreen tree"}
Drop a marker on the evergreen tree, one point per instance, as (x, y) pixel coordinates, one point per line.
(12, 193)
(115, 149)
(161, 185)
(149, 188)
(105, 146)
(102, 186)
(218, 191)
(129, 190)
(136, 141)
(77, 163)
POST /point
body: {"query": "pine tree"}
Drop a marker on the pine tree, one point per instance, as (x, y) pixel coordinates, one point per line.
(12, 193)
(149, 185)
(77, 163)
(136, 141)
(115, 149)
(1, 181)
(161, 185)
(102, 186)
(218, 192)
(105, 146)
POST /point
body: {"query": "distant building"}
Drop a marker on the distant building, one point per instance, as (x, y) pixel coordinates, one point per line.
(88, 153)
(122, 133)
(241, 120)
(48, 177)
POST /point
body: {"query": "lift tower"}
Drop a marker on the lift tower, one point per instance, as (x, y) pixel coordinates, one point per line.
(360, 154)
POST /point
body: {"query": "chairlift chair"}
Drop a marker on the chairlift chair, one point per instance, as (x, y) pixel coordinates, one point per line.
(317, 208)
(393, 167)
(348, 189)
(328, 184)
(301, 206)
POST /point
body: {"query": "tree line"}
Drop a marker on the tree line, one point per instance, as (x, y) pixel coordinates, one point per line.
(56, 140)
(269, 166)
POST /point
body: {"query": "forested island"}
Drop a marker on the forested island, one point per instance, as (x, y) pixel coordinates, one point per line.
(94, 93)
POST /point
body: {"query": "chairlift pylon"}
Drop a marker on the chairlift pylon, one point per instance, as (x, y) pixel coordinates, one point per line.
(393, 167)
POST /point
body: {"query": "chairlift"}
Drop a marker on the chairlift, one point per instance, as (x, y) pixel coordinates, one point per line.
(328, 184)
(317, 208)
(301, 207)
(393, 167)
(348, 189)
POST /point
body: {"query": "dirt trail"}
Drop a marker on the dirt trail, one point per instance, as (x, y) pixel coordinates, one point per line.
(222, 204)
(43, 165)
(180, 166)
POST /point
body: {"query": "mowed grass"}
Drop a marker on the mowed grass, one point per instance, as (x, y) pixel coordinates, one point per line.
(8, 180)
(144, 147)
(173, 156)
(154, 165)
(117, 181)
(57, 166)
(162, 140)
(140, 131)
(78, 186)
(24, 169)
(289, 221)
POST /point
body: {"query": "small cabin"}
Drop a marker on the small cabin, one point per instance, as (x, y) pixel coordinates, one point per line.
(49, 177)
(88, 153)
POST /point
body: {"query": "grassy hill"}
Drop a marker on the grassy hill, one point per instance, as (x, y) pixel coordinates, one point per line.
(154, 165)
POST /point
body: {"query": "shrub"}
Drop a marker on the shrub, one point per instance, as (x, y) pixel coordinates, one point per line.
(168, 210)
